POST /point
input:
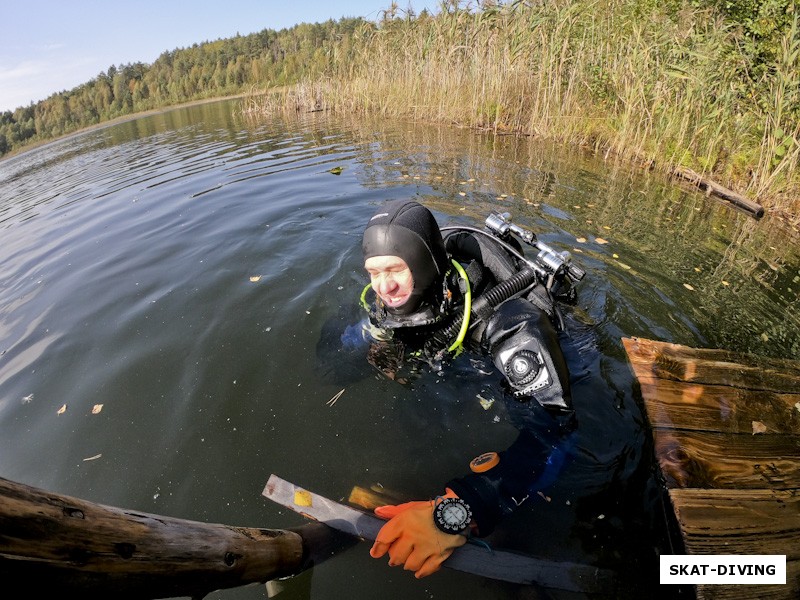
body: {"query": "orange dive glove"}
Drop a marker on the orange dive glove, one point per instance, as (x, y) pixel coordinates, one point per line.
(412, 539)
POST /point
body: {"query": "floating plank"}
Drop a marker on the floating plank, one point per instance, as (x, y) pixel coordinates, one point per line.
(470, 558)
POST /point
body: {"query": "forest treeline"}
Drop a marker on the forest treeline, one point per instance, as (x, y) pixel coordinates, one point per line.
(711, 85)
(219, 68)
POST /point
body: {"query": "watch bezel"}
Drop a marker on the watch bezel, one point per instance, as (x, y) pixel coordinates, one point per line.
(445, 527)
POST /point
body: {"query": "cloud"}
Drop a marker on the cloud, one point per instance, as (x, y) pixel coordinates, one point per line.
(21, 83)
(34, 80)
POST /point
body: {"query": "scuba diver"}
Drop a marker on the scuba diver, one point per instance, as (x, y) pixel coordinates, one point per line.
(435, 292)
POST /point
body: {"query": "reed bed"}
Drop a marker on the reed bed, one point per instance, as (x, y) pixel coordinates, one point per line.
(635, 79)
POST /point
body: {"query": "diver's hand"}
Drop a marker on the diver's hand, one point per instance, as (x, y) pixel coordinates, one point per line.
(412, 539)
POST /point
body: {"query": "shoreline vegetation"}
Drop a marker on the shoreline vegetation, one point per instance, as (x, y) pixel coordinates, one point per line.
(668, 85)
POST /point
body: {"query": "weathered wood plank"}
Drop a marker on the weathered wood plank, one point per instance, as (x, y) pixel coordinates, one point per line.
(735, 489)
(707, 366)
(739, 521)
(470, 558)
(647, 350)
(717, 408)
(742, 522)
(691, 459)
(749, 592)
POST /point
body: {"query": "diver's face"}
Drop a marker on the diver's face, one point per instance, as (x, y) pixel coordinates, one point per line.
(391, 279)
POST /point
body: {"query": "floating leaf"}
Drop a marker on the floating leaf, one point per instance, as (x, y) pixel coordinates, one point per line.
(97, 408)
(759, 427)
(255, 278)
(336, 170)
(302, 498)
(581, 240)
(615, 255)
(62, 410)
(688, 287)
(462, 193)
(486, 404)
(623, 265)
(600, 240)
(725, 282)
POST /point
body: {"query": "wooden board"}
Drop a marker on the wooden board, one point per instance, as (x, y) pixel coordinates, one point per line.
(470, 558)
(742, 522)
(726, 431)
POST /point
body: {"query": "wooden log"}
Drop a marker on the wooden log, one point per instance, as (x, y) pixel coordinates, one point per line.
(55, 544)
(711, 187)
(470, 558)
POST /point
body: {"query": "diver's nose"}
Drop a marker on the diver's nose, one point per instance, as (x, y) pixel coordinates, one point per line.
(386, 284)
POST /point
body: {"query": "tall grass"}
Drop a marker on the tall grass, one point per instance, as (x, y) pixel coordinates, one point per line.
(632, 78)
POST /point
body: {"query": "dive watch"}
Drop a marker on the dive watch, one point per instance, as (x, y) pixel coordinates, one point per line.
(452, 515)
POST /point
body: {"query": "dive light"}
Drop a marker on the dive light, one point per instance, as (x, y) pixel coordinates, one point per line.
(548, 258)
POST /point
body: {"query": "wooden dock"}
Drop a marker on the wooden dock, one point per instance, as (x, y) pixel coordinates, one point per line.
(726, 429)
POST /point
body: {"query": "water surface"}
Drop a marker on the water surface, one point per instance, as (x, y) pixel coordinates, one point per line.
(172, 289)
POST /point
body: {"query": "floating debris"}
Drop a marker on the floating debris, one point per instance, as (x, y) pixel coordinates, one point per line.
(95, 457)
(255, 278)
(333, 400)
(97, 408)
(62, 410)
(486, 404)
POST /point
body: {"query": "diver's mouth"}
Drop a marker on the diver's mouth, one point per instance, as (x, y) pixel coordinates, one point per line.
(395, 301)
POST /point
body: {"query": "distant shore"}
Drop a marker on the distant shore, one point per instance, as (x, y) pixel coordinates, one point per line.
(116, 121)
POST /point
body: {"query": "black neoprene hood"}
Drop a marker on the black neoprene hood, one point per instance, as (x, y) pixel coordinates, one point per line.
(407, 229)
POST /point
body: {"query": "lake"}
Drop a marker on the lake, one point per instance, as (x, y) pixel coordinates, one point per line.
(173, 289)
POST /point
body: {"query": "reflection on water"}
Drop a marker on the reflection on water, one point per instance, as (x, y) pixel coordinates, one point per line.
(187, 273)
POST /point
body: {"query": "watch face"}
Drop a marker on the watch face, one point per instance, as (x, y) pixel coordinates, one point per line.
(452, 515)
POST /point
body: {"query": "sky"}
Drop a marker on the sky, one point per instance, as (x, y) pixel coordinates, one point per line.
(49, 46)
